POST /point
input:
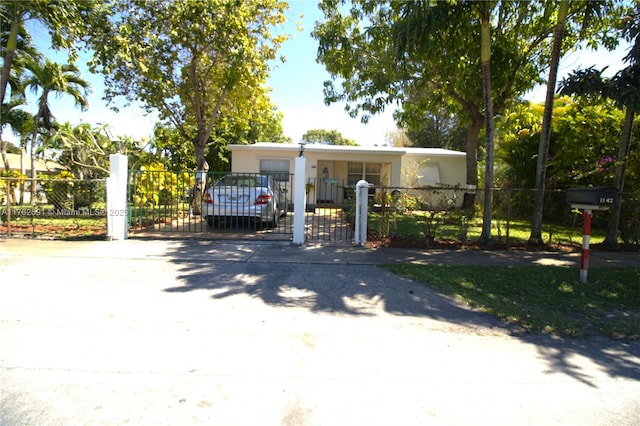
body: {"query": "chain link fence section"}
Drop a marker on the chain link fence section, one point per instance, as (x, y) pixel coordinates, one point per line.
(436, 217)
(54, 208)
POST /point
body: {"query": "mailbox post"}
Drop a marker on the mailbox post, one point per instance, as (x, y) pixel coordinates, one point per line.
(587, 200)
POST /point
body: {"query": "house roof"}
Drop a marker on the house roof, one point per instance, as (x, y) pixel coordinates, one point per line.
(341, 149)
(44, 166)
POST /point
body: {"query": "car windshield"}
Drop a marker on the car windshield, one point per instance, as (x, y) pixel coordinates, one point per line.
(242, 181)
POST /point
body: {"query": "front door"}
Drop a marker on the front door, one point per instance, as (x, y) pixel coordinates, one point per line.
(326, 182)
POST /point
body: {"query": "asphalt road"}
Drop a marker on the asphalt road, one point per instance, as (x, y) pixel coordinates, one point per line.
(203, 333)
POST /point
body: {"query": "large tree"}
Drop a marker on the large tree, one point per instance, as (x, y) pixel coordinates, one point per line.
(624, 89)
(50, 78)
(189, 60)
(485, 15)
(381, 53)
(545, 135)
(13, 114)
(67, 22)
(591, 16)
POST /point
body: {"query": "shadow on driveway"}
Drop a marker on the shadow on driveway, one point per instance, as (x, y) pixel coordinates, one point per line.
(366, 290)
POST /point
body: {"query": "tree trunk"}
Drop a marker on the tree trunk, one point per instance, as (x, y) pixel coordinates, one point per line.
(12, 45)
(21, 187)
(545, 135)
(199, 145)
(472, 161)
(34, 172)
(34, 137)
(485, 57)
(3, 152)
(611, 240)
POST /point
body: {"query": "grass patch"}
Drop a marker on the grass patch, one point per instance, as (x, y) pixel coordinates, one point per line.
(451, 226)
(542, 299)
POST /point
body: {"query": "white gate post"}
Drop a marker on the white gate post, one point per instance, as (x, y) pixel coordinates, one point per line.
(300, 179)
(117, 211)
(362, 204)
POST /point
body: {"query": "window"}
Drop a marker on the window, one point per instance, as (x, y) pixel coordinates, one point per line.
(429, 174)
(372, 173)
(279, 169)
(367, 171)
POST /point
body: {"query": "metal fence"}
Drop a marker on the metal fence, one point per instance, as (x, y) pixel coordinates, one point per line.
(441, 216)
(214, 204)
(329, 210)
(225, 205)
(162, 201)
(53, 208)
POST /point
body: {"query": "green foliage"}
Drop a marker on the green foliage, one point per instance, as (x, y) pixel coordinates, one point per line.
(428, 209)
(408, 52)
(153, 185)
(193, 61)
(85, 150)
(624, 87)
(381, 53)
(517, 146)
(584, 145)
(327, 137)
(66, 25)
(12, 183)
(170, 146)
(65, 192)
(584, 142)
(434, 130)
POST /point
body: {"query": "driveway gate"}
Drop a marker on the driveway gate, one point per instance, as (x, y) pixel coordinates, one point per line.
(330, 210)
(231, 205)
(183, 202)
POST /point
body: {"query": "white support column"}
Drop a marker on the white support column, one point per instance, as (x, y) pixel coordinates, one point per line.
(362, 204)
(117, 211)
(300, 179)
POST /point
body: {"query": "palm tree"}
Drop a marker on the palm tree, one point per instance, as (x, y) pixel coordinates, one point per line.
(65, 24)
(18, 120)
(485, 63)
(545, 135)
(589, 13)
(624, 89)
(12, 114)
(49, 77)
(413, 32)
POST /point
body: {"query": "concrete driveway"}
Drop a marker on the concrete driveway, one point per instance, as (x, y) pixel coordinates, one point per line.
(209, 333)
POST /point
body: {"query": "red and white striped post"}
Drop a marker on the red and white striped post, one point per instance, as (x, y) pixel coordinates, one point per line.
(587, 200)
(586, 235)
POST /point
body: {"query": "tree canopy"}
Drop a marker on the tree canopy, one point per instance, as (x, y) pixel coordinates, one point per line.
(327, 137)
(66, 22)
(624, 89)
(409, 54)
(191, 61)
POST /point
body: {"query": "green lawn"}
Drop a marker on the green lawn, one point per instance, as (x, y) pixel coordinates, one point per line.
(542, 299)
(452, 226)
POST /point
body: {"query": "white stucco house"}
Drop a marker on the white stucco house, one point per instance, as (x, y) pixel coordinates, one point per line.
(330, 168)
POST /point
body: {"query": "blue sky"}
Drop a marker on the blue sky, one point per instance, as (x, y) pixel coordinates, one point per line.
(296, 88)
